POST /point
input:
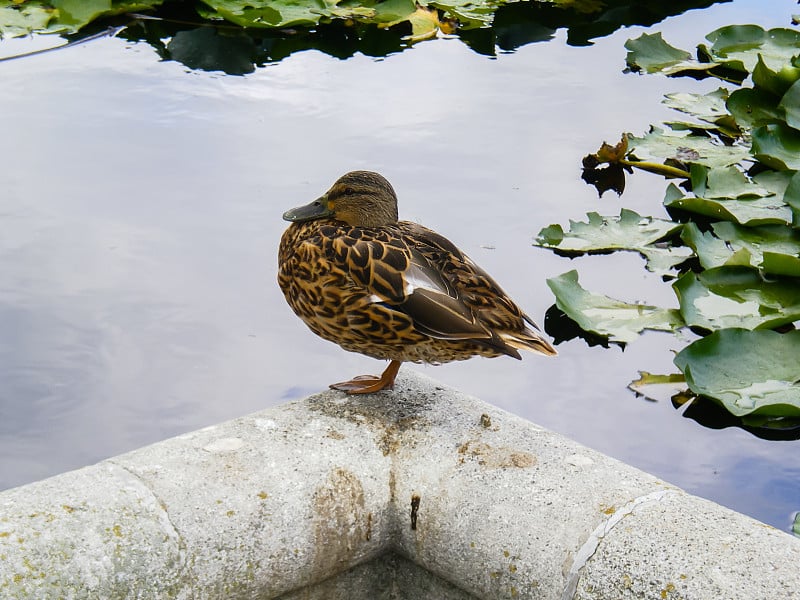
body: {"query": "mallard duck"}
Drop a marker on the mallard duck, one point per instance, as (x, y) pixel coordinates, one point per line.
(393, 290)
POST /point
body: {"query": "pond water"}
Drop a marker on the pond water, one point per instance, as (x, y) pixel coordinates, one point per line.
(141, 212)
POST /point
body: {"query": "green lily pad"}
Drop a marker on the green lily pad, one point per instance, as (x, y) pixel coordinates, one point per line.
(630, 231)
(745, 43)
(753, 107)
(707, 107)
(736, 297)
(751, 211)
(62, 16)
(776, 263)
(724, 182)
(650, 53)
(618, 321)
(684, 147)
(657, 387)
(19, 20)
(777, 146)
(725, 245)
(790, 105)
(748, 372)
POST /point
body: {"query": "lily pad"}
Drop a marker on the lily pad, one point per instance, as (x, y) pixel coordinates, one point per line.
(751, 211)
(745, 43)
(723, 246)
(724, 182)
(650, 53)
(709, 108)
(617, 320)
(656, 387)
(777, 146)
(749, 372)
(684, 147)
(790, 105)
(753, 107)
(733, 296)
(62, 16)
(629, 231)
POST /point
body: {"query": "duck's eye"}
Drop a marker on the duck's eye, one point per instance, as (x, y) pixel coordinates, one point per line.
(348, 191)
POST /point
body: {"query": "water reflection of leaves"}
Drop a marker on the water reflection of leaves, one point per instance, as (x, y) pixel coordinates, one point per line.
(248, 34)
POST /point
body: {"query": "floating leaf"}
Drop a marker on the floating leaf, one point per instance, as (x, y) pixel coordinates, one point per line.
(790, 105)
(684, 147)
(61, 16)
(745, 43)
(736, 297)
(755, 211)
(658, 387)
(630, 231)
(728, 239)
(710, 108)
(724, 182)
(749, 372)
(618, 321)
(650, 53)
(752, 107)
(777, 146)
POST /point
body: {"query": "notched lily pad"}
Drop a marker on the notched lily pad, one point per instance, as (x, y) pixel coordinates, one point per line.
(684, 147)
(629, 231)
(737, 296)
(749, 372)
(727, 243)
(769, 210)
(617, 320)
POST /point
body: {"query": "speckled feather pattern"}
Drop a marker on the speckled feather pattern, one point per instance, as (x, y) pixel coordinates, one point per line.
(354, 286)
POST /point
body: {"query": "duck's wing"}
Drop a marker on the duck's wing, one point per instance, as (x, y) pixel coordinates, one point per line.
(483, 296)
(402, 272)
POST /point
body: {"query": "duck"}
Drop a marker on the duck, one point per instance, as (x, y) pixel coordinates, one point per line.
(393, 290)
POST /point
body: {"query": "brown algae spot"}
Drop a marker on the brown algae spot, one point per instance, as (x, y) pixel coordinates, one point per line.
(506, 553)
(68, 508)
(335, 435)
(263, 495)
(512, 568)
(608, 510)
(669, 588)
(415, 500)
(17, 578)
(117, 530)
(4, 534)
(486, 421)
(230, 513)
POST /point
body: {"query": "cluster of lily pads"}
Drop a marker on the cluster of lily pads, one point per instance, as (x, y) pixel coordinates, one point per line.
(19, 17)
(732, 245)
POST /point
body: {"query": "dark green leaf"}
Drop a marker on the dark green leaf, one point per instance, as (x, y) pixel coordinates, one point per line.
(649, 52)
(745, 43)
(736, 297)
(629, 231)
(777, 146)
(753, 107)
(749, 372)
(618, 321)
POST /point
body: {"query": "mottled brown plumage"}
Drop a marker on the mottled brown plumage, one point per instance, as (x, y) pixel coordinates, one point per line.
(390, 289)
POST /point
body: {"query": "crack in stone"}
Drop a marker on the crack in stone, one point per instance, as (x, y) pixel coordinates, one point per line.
(592, 543)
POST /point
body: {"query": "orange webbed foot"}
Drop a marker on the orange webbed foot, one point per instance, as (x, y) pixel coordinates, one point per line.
(367, 384)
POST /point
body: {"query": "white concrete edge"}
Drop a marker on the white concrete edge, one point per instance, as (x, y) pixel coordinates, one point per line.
(290, 496)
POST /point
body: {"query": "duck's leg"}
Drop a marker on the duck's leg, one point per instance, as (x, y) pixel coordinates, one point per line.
(366, 384)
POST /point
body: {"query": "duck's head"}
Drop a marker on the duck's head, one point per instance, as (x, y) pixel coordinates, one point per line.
(359, 198)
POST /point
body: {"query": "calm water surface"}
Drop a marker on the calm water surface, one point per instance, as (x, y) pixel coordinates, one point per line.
(140, 218)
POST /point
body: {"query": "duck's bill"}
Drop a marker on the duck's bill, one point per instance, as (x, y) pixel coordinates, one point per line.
(317, 209)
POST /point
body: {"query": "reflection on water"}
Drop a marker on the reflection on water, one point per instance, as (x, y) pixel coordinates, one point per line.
(141, 215)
